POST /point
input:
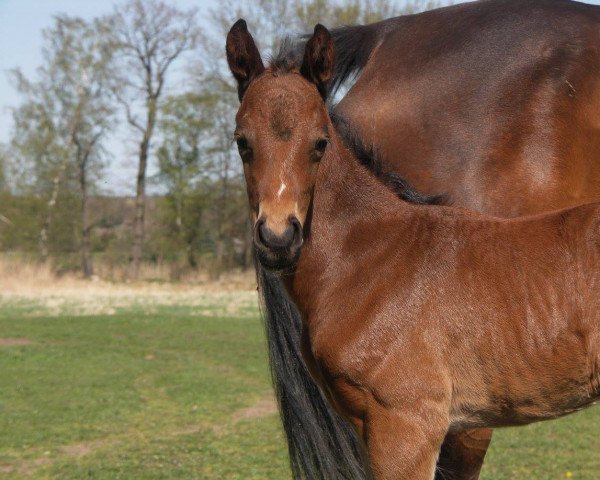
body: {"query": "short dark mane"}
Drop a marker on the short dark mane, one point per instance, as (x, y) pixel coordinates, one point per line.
(287, 57)
(369, 158)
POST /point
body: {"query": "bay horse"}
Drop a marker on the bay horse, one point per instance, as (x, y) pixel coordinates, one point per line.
(420, 277)
(494, 103)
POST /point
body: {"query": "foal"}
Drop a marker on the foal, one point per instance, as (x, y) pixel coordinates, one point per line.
(418, 320)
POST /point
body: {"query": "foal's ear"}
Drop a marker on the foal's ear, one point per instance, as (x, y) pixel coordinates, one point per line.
(243, 56)
(319, 56)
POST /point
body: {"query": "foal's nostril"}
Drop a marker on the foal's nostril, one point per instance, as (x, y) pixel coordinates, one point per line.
(262, 231)
(286, 240)
(296, 225)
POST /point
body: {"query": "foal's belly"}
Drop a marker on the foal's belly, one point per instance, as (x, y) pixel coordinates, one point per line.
(539, 396)
(511, 416)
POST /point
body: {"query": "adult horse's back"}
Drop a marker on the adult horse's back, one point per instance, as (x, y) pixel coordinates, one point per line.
(495, 103)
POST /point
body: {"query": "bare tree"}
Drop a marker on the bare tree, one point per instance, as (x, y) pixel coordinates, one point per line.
(65, 115)
(148, 36)
(83, 72)
(39, 147)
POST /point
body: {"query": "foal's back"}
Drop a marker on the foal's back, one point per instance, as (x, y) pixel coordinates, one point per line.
(531, 317)
(508, 310)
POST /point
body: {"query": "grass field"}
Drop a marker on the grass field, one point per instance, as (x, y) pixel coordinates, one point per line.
(138, 385)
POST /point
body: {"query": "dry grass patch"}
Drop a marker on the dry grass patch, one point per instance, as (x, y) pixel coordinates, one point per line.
(34, 288)
(19, 273)
(263, 408)
(16, 342)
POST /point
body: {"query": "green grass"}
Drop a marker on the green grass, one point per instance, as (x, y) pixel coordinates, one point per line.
(171, 393)
(135, 395)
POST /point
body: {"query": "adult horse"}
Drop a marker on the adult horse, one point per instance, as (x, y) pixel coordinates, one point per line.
(418, 320)
(493, 103)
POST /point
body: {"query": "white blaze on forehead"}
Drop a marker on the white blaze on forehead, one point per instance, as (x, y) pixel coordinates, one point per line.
(282, 188)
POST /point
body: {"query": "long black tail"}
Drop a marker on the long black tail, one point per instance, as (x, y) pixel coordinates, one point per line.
(322, 446)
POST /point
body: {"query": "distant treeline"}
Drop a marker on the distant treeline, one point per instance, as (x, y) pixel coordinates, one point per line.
(198, 242)
(117, 70)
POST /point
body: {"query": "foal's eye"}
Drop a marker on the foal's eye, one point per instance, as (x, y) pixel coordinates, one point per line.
(320, 147)
(244, 148)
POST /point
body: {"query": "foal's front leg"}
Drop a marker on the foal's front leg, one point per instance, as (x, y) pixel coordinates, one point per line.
(404, 443)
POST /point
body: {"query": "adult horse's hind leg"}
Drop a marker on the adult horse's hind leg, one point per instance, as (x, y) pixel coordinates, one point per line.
(462, 454)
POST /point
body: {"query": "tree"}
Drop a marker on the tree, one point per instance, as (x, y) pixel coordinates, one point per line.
(148, 36)
(229, 203)
(205, 202)
(183, 167)
(3, 167)
(83, 72)
(60, 126)
(40, 152)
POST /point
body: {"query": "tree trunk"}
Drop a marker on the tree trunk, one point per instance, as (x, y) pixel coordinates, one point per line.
(140, 210)
(86, 258)
(43, 242)
(140, 198)
(220, 255)
(191, 256)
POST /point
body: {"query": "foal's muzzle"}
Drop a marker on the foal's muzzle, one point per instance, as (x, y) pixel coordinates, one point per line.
(278, 251)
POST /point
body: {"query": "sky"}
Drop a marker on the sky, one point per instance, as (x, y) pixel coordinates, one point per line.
(21, 25)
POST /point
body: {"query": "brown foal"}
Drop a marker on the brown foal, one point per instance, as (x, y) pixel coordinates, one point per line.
(418, 320)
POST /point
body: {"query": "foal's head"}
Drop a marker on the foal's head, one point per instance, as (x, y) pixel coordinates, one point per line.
(282, 132)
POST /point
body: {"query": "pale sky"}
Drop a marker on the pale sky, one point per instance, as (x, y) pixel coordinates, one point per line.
(21, 24)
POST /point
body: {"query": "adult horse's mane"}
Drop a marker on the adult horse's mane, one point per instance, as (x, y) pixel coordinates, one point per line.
(288, 59)
(353, 46)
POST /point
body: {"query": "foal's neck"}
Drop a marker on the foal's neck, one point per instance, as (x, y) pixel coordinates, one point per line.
(350, 186)
(350, 207)
(347, 193)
